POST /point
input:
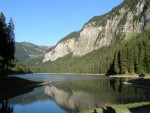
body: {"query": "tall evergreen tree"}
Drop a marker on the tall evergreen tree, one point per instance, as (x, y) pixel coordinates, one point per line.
(116, 64)
(130, 60)
(3, 39)
(140, 59)
(123, 61)
(11, 40)
(7, 43)
(136, 62)
(146, 44)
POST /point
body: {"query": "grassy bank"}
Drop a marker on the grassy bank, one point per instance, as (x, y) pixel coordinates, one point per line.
(143, 107)
(14, 86)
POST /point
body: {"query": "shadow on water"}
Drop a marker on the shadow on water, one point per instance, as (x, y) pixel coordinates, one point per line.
(108, 110)
(5, 107)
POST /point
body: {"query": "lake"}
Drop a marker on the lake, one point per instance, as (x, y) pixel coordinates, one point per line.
(74, 93)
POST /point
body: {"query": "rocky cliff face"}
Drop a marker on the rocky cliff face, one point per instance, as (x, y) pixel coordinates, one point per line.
(122, 23)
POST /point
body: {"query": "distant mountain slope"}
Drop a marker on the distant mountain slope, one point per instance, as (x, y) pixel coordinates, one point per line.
(29, 54)
(122, 23)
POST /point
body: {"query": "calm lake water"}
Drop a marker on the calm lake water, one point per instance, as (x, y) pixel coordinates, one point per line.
(71, 94)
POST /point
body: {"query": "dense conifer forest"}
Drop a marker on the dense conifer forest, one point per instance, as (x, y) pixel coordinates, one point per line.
(126, 56)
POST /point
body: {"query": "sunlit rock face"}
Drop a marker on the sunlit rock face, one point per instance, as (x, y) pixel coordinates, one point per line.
(109, 28)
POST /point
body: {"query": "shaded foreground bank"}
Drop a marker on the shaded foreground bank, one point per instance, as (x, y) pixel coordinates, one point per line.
(13, 86)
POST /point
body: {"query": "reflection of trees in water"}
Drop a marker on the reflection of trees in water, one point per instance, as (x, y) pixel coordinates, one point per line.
(112, 84)
(116, 85)
(5, 107)
(120, 85)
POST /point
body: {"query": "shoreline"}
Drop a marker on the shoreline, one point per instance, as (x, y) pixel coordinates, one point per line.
(138, 107)
(71, 74)
(126, 75)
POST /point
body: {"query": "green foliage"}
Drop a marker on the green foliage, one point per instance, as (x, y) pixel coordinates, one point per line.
(135, 55)
(123, 61)
(122, 22)
(49, 49)
(116, 64)
(99, 20)
(17, 68)
(131, 4)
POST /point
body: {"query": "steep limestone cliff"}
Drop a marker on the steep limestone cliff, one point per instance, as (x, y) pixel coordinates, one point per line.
(122, 23)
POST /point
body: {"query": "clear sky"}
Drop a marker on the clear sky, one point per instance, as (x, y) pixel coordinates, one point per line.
(45, 22)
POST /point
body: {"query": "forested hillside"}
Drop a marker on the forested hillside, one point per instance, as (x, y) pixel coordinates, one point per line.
(29, 54)
(126, 56)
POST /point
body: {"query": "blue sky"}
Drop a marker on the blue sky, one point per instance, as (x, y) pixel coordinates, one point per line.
(45, 22)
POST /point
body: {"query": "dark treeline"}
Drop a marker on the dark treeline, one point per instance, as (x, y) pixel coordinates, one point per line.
(122, 57)
(7, 48)
(7, 43)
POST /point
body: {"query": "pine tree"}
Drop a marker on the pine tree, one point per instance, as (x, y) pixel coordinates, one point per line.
(123, 61)
(116, 64)
(136, 62)
(7, 43)
(11, 40)
(146, 44)
(130, 60)
(3, 39)
(140, 59)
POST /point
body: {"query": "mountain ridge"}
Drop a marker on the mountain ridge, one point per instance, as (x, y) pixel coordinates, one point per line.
(121, 23)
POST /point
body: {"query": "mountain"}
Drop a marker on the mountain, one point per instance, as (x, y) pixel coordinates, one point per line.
(120, 24)
(29, 54)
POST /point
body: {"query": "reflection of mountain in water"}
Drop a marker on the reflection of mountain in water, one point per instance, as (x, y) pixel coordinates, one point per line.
(74, 101)
(80, 95)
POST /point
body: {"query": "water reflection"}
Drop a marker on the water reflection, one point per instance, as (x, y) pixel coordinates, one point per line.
(80, 95)
(73, 95)
(74, 101)
(112, 84)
